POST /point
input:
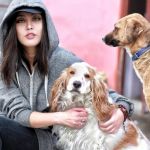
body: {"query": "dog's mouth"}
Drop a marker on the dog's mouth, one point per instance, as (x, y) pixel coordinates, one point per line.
(109, 40)
(75, 90)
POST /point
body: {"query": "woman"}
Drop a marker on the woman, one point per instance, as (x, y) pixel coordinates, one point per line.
(30, 63)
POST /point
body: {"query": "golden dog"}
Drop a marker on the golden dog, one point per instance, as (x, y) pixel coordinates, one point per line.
(132, 32)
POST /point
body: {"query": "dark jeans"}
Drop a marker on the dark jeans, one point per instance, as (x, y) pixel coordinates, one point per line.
(14, 136)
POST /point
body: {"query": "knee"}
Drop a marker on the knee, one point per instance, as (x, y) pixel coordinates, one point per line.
(3, 121)
(6, 122)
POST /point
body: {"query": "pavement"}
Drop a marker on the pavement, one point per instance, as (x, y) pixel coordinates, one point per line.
(140, 119)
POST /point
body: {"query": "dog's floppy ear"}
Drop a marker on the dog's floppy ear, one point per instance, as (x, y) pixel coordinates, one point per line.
(100, 98)
(57, 89)
(133, 29)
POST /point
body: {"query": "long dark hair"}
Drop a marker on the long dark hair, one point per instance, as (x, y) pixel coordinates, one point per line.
(12, 52)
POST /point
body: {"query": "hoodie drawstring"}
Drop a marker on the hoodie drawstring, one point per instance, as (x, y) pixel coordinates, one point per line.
(46, 84)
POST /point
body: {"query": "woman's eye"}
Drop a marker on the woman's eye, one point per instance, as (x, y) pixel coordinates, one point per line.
(36, 18)
(20, 20)
(87, 76)
(72, 72)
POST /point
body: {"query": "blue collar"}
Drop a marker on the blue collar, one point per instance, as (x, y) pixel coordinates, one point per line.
(139, 53)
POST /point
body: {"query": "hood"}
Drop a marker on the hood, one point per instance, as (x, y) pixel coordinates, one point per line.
(53, 37)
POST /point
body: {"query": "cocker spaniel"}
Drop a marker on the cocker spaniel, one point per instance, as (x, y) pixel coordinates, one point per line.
(81, 86)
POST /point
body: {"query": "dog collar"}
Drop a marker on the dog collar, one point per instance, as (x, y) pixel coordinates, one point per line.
(139, 53)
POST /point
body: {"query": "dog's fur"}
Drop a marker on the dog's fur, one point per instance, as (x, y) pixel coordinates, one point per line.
(92, 95)
(132, 32)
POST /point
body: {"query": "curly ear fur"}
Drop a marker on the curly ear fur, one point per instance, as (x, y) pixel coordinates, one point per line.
(133, 29)
(100, 99)
(57, 89)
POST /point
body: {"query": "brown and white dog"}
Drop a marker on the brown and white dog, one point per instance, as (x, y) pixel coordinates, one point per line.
(132, 32)
(80, 86)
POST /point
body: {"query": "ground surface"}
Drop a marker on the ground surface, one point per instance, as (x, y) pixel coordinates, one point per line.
(143, 121)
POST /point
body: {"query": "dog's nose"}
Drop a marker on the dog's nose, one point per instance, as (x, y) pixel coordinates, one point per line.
(77, 84)
(103, 39)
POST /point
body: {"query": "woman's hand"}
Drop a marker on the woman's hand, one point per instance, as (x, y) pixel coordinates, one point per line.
(113, 124)
(74, 118)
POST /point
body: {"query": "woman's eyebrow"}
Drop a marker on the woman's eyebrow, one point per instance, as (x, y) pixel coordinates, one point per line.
(20, 15)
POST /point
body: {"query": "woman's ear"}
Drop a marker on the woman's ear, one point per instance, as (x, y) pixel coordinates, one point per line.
(57, 89)
(100, 98)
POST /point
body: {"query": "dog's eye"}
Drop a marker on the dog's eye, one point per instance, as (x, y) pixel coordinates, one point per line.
(134, 29)
(116, 29)
(72, 72)
(87, 76)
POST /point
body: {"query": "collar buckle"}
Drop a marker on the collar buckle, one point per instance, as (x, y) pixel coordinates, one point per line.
(136, 56)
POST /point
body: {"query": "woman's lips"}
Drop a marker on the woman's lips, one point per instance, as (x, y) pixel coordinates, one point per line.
(30, 35)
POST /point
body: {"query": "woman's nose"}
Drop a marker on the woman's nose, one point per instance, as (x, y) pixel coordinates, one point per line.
(29, 25)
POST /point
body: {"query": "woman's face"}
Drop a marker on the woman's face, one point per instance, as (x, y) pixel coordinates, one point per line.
(29, 29)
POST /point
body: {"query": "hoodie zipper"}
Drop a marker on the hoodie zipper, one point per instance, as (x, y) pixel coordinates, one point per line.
(31, 84)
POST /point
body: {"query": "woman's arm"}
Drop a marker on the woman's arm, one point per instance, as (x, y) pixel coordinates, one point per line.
(121, 100)
(15, 106)
(71, 118)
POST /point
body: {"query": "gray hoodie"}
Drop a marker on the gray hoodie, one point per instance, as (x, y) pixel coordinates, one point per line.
(30, 92)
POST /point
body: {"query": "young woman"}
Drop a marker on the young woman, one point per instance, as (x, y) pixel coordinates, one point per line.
(31, 61)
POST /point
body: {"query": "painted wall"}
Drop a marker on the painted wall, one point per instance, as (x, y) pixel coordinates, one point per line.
(81, 24)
